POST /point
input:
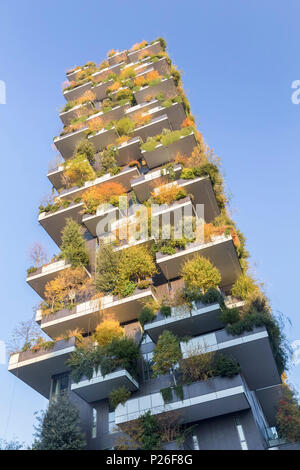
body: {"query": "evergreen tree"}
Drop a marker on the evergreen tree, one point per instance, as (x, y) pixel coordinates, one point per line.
(59, 427)
(106, 269)
(73, 247)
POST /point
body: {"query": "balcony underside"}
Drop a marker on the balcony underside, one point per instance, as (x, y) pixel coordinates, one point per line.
(145, 184)
(56, 177)
(153, 128)
(202, 191)
(99, 387)
(166, 86)
(67, 116)
(175, 113)
(152, 49)
(36, 369)
(129, 151)
(39, 281)
(92, 222)
(66, 144)
(221, 253)
(55, 223)
(268, 398)
(77, 92)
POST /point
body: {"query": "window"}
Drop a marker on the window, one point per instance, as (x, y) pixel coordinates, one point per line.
(59, 385)
(147, 365)
(241, 434)
(195, 443)
(111, 423)
(94, 423)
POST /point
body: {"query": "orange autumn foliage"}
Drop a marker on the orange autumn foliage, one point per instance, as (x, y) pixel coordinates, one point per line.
(114, 87)
(138, 45)
(96, 124)
(93, 197)
(140, 119)
(211, 231)
(152, 75)
(187, 122)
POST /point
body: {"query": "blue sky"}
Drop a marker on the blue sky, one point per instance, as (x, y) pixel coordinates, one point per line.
(239, 60)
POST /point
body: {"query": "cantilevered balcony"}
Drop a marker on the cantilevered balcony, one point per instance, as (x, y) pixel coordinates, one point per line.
(99, 387)
(67, 116)
(54, 222)
(123, 178)
(92, 221)
(221, 252)
(174, 213)
(268, 398)
(143, 185)
(166, 153)
(165, 86)
(100, 75)
(66, 143)
(55, 176)
(37, 368)
(87, 315)
(202, 318)
(74, 93)
(128, 151)
(154, 127)
(117, 58)
(251, 349)
(175, 113)
(152, 49)
(201, 400)
(161, 65)
(41, 276)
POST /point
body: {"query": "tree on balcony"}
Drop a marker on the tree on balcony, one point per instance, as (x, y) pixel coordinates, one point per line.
(73, 248)
(59, 427)
(166, 354)
(200, 275)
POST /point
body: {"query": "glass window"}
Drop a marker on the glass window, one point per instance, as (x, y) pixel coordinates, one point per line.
(147, 364)
(94, 423)
(59, 384)
(111, 423)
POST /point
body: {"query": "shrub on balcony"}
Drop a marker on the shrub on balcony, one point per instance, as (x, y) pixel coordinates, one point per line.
(245, 288)
(198, 365)
(225, 366)
(108, 330)
(78, 170)
(125, 94)
(165, 310)
(147, 315)
(127, 72)
(168, 194)
(117, 396)
(199, 274)
(93, 197)
(124, 126)
(73, 248)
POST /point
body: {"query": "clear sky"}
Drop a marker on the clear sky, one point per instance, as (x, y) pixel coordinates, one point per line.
(239, 60)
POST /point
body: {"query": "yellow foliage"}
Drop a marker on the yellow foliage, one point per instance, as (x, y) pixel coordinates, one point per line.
(107, 331)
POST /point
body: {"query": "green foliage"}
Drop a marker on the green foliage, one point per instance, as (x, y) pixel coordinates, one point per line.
(87, 149)
(178, 389)
(166, 354)
(165, 310)
(108, 160)
(245, 288)
(288, 415)
(150, 437)
(147, 315)
(124, 126)
(73, 248)
(125, 94)
(124, 352)
(126, 288)
(166, 393)
(225, 366)
(150, 144)
(106, 276)
(59, 427)
(118, 395)
(229, 316)
(199, 274)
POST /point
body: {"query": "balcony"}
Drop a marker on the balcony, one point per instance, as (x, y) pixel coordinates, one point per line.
(163, 154)
(123, 178)
(41, 276)
(143, 185)
(183, 322)
(54, 222)
(173, 213)
(100, 89)
(251, 349)
(175, 114)
(67, 116)
(87, 315)
(152, 49)
(221, 252)
(37, 368)
(128, 151)
(55, 176)
(166, 86)
(102, 74)
(91, 221)
(268, 398)
(154, 127)
(66, 144)
(202, 400)
(99, 387)
(77, 92)
(117, 58)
